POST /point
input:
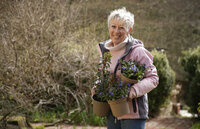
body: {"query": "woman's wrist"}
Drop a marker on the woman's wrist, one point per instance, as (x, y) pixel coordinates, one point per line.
(132, 93)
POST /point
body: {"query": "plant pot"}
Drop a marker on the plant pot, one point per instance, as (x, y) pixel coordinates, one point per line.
(119, 107)
(127, 80)
(100, 109)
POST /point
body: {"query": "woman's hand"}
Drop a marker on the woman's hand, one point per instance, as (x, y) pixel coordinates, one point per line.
(129, 97)
(132, 94)
(93, 90)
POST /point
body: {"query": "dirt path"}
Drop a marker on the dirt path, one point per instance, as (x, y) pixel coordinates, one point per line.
(169, 123)
(156, 123)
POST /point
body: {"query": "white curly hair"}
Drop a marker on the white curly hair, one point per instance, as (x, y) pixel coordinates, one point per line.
(122, 15)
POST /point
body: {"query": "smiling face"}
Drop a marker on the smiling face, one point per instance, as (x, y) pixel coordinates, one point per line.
(117, 31)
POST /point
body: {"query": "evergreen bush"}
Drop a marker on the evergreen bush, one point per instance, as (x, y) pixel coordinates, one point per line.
(191, 64)
(159, 95)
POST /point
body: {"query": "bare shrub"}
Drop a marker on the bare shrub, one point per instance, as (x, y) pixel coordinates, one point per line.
(42, 64)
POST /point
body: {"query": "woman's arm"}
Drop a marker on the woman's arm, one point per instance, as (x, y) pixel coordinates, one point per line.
(151, 79)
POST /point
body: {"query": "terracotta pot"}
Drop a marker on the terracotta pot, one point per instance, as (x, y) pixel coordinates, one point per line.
(119, 107)
(127, 80)
(100, 109)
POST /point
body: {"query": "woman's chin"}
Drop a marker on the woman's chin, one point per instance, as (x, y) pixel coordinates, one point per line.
(116, 42)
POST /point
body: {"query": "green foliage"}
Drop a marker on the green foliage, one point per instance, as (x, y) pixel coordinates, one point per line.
(133, 70)
(107, 86)
(196, 125)
(103, 78)
(40, 116)
(39, 127)
(191, 61)
(191, 64)
(159, 95)
(84, 118)
(198, 109)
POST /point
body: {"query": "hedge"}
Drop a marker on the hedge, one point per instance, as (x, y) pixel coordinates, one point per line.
(190, 61)
(160, 94)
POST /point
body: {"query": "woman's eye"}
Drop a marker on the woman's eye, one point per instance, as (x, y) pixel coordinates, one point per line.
(113, 26)
(121, 28)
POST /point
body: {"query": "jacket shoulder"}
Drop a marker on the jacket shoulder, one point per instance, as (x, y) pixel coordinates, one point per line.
(102, 47)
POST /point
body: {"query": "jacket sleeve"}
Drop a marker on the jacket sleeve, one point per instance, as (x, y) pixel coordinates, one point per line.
(150, 80)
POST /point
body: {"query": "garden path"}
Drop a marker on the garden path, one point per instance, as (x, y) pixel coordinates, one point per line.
(155, 123)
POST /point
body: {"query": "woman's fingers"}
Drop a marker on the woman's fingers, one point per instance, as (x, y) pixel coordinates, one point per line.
(93, 90)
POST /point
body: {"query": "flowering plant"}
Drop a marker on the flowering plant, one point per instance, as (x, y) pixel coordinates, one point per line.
(198, 109)
(108, 87)
(133, 70)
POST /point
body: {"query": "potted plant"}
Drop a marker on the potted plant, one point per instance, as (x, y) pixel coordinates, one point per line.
(132, 71)
(117, 97)
(113, 90)
(100, 105)
(100, 108)
(110, 90)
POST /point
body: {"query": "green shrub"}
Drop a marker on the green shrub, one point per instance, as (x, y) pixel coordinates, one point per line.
(84, 118)
(159, 95)
(196, 125)
(39, 127)
(51, 116)
(198, 109)
(191, 64)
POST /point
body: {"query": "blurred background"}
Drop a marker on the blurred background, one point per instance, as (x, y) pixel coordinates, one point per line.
(49, 57)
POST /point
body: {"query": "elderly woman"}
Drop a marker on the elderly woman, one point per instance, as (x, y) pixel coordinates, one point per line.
(122, 45)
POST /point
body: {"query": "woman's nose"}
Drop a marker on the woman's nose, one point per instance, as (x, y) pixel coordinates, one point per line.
(117, 30)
